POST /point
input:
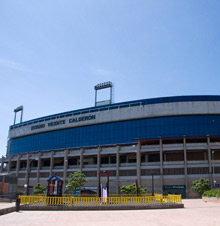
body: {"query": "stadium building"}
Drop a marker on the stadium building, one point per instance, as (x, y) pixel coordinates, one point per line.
(162, 143)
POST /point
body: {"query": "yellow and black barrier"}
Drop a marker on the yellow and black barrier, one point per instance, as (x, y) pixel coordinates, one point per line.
(97, 201)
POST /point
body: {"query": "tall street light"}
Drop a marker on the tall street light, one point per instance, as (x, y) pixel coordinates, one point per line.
(213, 169)
(152, 180)
(28, 176)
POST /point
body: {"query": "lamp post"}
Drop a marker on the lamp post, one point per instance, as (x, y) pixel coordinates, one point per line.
(213, 169)
(152, 180)
(152, 184)
(28, 176)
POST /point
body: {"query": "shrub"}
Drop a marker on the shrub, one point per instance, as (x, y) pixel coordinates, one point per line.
(39, 189)
(201, 185)
(132, 189)
(212, 193)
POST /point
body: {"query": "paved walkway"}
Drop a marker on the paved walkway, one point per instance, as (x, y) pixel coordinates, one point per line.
(4, 205)
(195, 213)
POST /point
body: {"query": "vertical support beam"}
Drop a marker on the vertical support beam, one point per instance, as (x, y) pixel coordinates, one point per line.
(98, 168)
(209, 161)
(21, 115)
(138, 162)
(51, 163)
(117, 169)
(185, 165)
(81, 160)
(95, 97)
(18, 165)
(146, 159)
(38, 167)
(111, 95)
(27, 174)
(161, 165)
(15, 118)
(2, 164)
(8, 147)
(9, 163)
(65, 169)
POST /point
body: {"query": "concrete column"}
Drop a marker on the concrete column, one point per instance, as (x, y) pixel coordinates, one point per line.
(138, 162)
(18, 165)
(51, 163)
(9, 164)
(65, 169)
(117, 169)
(209, 160)
(146, 158)
(98, 167)
(185, 165)
(38, 167)
(2, 164)
(161, 165)
(81, 159)
(27, 173)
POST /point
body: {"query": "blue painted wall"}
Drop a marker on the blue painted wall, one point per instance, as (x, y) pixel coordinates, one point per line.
(119, 133)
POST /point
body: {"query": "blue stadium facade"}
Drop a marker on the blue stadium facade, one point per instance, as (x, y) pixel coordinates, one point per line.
(173, 138)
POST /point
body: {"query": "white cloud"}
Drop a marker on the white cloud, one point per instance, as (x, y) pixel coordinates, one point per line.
(13, 65)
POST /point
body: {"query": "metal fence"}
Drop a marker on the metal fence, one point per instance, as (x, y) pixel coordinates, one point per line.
(97, 201)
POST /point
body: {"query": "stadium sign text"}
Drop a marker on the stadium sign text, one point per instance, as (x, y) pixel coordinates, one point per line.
(84, 118)
(62, 122)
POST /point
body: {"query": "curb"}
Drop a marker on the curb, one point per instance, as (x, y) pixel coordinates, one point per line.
(7, 210)
(76, 208)
(211, 199)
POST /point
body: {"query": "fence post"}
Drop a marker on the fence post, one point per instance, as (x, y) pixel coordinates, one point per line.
(17, 204)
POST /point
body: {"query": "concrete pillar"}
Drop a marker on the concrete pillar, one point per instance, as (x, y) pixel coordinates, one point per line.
(51, 163)
(81, 159)
(205, 158)
(38, 167)
(18, 165)
(138, 162)
(27, 174)
(98, 167)
(161, 165)
(185, 165)
(209, 161)
(65, 169)
(117, 169)
(2, 164)
(9, 164)
(146, 158)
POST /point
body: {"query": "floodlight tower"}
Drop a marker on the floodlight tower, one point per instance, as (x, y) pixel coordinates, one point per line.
(100, 86)
(20, 108)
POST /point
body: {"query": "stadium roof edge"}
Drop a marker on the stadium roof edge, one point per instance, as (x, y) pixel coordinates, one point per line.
(156, 100)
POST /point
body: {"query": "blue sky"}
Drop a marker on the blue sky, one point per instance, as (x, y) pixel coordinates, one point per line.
(52, 52)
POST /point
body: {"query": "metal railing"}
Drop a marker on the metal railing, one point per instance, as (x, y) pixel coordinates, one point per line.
(97, 201)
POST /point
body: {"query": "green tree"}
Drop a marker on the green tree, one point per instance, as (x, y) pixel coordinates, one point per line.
(76, 181)
(201, 185)
(132, 189)
(39, 189)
